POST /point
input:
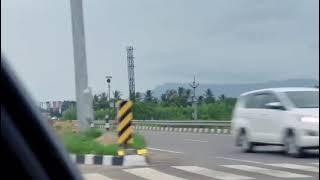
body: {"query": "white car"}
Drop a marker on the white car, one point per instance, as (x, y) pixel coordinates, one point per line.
(288, 117)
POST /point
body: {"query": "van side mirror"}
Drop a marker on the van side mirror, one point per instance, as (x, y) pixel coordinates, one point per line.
(275, 105)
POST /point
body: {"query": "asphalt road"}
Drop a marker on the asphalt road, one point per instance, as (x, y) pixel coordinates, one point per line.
(208, 156)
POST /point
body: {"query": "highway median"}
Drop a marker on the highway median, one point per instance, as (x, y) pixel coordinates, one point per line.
(93, 141)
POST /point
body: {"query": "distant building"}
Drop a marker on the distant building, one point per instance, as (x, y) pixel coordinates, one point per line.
(45, 115)
(55, 108)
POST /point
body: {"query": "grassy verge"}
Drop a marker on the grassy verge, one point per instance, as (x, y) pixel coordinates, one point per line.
(138, 141)
(85, 143)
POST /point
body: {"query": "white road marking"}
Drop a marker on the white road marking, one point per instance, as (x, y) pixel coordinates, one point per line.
(265, 171)
(211, 173)
(316, 163)
(296, 167)
(195, 140)
(240, 160)
(95, 176)
(165, 150)
(134, 160)
(151, 174)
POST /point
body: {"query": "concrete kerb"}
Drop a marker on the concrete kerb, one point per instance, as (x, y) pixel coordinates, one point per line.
(217, 130)
(106, 160)
(206, 130)
(212, 130)
(226, 131)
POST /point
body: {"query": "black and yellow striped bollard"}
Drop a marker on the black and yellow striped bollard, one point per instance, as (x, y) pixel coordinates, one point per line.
(124, 129)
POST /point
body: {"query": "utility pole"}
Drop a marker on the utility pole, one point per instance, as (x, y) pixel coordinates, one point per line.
(109, 87)
(83, 92)
(131, 72)
(194, 85)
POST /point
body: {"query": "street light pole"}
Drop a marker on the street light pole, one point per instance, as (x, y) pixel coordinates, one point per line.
(194, 85)
(109, 87)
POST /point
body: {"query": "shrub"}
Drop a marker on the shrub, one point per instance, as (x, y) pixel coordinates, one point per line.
(70, 114)
(81, 144)
(92, 133)
(138, 141)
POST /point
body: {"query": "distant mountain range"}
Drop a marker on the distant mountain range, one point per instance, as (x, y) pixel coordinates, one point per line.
(234, 90)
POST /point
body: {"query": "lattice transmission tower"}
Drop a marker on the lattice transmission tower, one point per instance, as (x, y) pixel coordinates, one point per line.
(131, 72)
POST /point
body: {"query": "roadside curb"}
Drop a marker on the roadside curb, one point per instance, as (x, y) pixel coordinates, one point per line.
(107, 160)
(185, 130)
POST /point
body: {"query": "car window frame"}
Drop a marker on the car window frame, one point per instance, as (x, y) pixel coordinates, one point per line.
(253, 95)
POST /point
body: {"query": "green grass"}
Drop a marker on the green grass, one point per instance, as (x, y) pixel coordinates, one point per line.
(81, 144)
(138, 141)
(93, 133)
(84, 143)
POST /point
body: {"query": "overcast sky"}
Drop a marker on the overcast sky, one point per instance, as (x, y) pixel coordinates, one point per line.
(220, 41)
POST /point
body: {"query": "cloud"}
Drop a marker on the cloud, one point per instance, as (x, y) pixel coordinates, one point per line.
(219, 41)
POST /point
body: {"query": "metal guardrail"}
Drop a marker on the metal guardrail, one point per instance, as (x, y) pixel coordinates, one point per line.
(175, 123)
(183, 123)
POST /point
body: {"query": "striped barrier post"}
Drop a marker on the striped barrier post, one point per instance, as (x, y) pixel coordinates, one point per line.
(124, 129)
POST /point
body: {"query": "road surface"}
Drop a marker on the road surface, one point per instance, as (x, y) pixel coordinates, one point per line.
(180, 156)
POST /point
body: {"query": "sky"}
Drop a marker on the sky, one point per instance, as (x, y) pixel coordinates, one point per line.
(219, 41)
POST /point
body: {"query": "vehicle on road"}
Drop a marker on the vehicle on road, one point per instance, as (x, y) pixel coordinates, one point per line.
(287, 117)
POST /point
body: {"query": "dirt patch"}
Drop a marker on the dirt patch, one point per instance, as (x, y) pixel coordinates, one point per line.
(66, 126)
(107, 138)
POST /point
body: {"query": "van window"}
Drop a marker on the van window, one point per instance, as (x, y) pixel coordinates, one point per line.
(304, 99)
(251, 102)
(258, 101)
(263, 99)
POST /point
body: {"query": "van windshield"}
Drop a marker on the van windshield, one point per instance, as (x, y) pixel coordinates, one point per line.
(304, 99)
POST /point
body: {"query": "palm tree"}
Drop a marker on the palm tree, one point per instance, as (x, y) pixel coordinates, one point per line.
(222, 97)
(209, 97)
(95, 102)
(138, 96)
(148, 96)
(164, 97)
(117, 95)
(200, 99)
(181, 91)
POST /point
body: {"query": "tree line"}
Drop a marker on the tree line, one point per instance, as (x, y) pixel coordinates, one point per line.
(174, 104)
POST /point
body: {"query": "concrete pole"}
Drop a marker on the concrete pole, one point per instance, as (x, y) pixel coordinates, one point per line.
(83, 92)
(109, 92)
(194, 85)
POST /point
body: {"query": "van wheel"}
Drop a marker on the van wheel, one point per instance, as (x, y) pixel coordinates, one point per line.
(246, 145)
(290, 146)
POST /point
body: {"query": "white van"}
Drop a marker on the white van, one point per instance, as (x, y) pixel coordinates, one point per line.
(288, 117)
